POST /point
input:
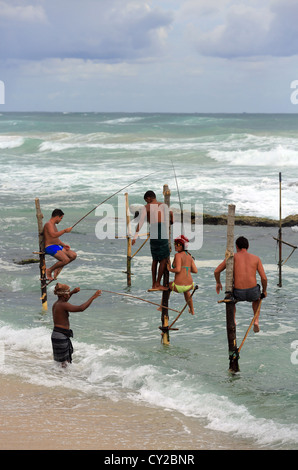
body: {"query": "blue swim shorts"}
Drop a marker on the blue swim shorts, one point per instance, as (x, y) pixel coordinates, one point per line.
(52, 249)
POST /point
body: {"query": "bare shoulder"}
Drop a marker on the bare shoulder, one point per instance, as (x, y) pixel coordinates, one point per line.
(255, 257)
(47, 226)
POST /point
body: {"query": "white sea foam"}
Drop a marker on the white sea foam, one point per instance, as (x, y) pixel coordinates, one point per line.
(279, 156)
(11, 141)
(123, 120)
(113, 370)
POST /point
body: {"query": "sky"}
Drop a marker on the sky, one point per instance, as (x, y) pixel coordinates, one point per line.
(187, 56)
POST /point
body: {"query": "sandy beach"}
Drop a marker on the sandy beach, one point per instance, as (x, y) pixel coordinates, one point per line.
(39, 418)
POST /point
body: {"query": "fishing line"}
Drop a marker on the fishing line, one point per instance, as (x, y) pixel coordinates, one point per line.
(180, 203)
(135, 297)
(114, 194)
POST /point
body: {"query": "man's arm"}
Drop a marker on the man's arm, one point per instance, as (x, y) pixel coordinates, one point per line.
(80, 308)
(221, 267)
(50, 232)
(74, 291)
(263, 277)
(140, 224)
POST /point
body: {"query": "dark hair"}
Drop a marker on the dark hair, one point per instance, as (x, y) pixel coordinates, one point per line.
(242, 242)
(57, 213)
(149, 194)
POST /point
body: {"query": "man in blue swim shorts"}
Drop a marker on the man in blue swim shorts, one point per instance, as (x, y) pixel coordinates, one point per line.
(246, 266)
(54, 246)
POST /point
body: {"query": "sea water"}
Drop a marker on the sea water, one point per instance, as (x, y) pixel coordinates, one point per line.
(75, 161)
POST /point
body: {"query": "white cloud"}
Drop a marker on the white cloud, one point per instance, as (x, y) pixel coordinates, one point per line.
(250, 29)
(18, 12)
(149, 55)
(89, 29)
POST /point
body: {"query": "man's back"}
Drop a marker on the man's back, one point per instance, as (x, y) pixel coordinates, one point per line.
(156, 212)
(246, 266)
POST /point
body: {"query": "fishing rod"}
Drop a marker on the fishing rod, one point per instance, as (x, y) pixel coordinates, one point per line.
(180, 313)
(105, 200)
(178, 195)
(138, 298)
(251, 323)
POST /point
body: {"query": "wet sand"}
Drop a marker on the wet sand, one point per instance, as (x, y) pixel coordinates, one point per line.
(34, 417)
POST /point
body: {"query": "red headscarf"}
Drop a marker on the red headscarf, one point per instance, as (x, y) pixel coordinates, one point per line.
(183, 240)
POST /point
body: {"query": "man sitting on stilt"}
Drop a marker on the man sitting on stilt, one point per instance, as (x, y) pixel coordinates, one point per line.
(246, 266)
(54, 246)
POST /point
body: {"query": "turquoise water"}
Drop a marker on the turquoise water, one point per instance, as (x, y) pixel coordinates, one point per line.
(75, 161)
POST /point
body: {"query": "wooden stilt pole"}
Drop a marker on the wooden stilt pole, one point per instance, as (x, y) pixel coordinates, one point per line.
(230, 306)
(280, 238)
(166, 294)
(42, 260)
(128, 237)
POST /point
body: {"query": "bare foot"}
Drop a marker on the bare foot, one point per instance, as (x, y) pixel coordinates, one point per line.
(157, 288)
(57, 272)
(49, 275)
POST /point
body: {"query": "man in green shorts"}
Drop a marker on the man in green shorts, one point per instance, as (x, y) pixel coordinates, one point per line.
(159, 217)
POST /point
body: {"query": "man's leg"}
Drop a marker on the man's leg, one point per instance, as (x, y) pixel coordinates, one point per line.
(161, 270)
(255, 306)
(63, 259)
(154, 272)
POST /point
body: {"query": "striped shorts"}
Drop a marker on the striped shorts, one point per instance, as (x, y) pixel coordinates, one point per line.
(62, 346)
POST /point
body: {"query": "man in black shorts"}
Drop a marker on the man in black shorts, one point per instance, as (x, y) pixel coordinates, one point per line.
(246, 266)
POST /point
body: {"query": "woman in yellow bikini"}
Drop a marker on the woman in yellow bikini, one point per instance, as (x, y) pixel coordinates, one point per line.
(183, 266)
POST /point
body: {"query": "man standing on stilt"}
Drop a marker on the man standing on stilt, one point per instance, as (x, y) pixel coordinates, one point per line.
(157, 215)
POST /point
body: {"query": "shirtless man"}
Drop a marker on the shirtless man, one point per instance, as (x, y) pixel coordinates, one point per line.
(54, 246)
(157, 215)
(62, 346)
(183, 266)
(246, 266)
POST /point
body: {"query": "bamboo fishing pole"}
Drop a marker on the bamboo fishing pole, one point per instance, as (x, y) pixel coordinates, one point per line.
(114, 194)
(187, 303)
(181, 215)
(135, 297)
(251, 323)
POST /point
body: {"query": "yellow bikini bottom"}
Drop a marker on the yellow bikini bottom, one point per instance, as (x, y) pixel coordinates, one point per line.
(182, 289)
